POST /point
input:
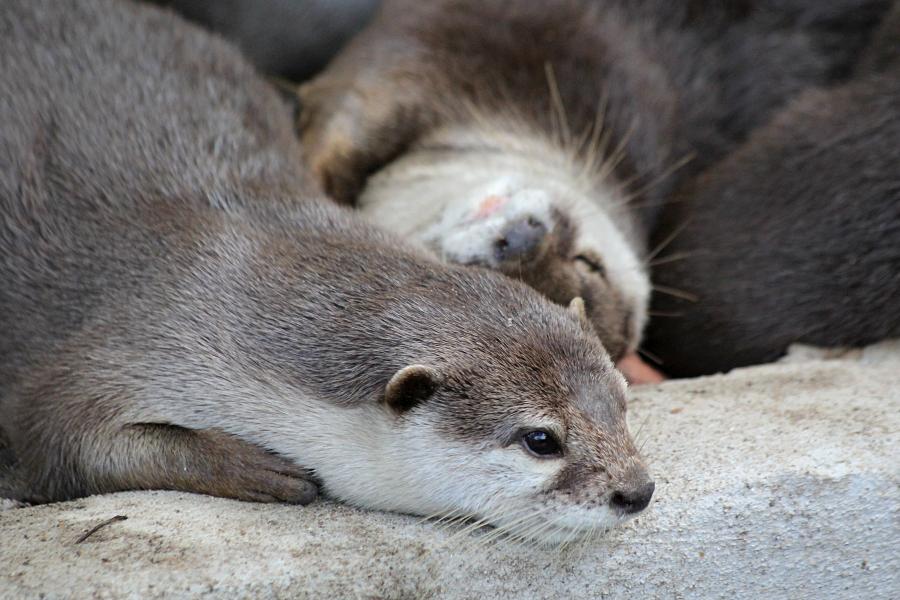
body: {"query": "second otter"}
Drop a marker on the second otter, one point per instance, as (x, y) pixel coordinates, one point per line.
(535, 137)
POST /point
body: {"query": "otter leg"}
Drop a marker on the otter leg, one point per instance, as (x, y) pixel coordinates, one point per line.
(157, 456)
(80, 426)
(209, 461)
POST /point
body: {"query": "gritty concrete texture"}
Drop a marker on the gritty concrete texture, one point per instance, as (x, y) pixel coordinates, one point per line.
(778, 481)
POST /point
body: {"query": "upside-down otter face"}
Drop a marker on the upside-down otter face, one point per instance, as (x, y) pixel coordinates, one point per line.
(526, 233)
(518, 209)
(442, 126)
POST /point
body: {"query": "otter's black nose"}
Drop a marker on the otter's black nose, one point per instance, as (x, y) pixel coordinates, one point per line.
(520, 238)
(632, 501)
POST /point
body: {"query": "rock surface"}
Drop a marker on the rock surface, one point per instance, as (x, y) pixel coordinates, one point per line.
(773, 481)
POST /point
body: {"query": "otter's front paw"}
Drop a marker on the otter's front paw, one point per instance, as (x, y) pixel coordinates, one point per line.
(274, 479)
(210, 461)
(353, 124)
(244, 471)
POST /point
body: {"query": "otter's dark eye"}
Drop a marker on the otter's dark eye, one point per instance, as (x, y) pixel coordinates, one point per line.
(541, 443)
(593, 263)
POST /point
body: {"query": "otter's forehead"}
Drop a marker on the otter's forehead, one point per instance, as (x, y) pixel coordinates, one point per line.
(567, 378)
(602, 399)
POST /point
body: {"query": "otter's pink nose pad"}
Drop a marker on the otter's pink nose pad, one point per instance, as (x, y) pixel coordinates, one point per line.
(489, 206)
(520, 239)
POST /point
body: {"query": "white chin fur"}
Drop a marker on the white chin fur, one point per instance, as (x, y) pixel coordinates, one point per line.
(556, 529)
(409, 467)
(463, 235)
(431, 196)
(369, 457)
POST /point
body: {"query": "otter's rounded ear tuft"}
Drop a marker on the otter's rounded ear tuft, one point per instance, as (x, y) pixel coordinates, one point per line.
(576, 307)
(411, 385)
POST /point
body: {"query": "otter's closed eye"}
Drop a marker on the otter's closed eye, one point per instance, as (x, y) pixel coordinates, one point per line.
(593, 263)
(541, 443)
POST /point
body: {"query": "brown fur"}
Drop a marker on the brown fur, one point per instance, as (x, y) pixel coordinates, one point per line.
(178, 305)
(553, 272)
(794, 238)
(675, 74)
(883, 52)
(670, 82)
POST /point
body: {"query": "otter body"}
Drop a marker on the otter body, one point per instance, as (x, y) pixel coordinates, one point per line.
(181, 311)
(541, 139)
(794, 238)
(292, 39)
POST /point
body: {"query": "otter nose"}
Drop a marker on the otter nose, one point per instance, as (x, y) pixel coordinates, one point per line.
(632, 501)
(519, 238)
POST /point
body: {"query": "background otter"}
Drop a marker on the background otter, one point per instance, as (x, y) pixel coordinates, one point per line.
(796, 236)
(462, 103)
(292, 39)
(698, 76)
(177, 303)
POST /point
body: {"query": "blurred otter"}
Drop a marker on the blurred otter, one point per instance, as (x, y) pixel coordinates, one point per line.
(541, 139)
(794, 238)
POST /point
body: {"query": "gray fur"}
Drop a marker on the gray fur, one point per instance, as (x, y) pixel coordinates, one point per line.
(177, 301)
(287, 38)
(677, 85)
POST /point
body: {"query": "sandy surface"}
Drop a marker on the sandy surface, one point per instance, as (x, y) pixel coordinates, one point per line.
(774, 481)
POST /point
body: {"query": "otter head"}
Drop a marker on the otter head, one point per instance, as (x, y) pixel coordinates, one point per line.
(532, 440)
(514, 204)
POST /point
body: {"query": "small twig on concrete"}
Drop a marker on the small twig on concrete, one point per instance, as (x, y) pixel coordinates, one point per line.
(98, 527)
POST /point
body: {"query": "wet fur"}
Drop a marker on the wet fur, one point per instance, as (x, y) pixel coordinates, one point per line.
(180, 310)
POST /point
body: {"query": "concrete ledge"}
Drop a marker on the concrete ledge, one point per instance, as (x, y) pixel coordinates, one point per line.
(774, 481)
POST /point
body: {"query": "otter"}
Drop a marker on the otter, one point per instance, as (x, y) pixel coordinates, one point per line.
(541, 139)
(288, 39)
(182, 309)
(795, 237)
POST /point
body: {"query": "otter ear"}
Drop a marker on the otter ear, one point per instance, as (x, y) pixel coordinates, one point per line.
(411, 385)
(576, 307)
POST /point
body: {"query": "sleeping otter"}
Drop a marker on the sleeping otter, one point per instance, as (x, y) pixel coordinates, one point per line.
(541, 139)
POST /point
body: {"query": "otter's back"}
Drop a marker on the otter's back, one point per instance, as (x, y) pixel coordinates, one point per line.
(192, 105)
(115, 117)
